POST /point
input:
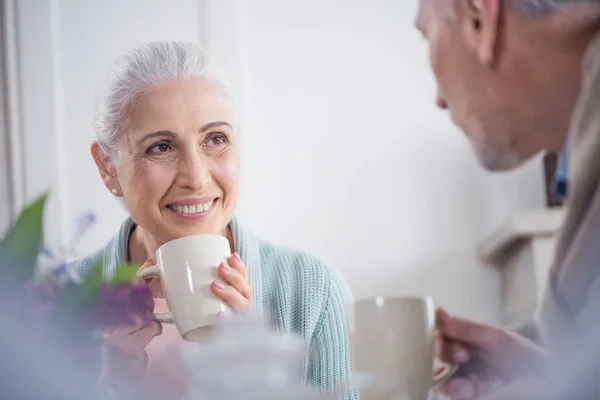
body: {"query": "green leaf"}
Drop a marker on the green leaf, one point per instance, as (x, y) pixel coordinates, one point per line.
(89, 288)
(20, 247)
(125, 273)
(76, 302)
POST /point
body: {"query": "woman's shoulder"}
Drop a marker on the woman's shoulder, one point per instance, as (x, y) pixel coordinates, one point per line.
(300, 288)
(83, 266)
(277, 257)
(301, 270)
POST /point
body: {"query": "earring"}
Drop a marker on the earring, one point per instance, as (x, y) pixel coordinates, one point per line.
(115, 192)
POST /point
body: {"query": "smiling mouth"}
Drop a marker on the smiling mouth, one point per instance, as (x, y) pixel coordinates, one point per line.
(192, 209)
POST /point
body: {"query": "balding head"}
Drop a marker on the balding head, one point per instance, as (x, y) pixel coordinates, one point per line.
(509, 71)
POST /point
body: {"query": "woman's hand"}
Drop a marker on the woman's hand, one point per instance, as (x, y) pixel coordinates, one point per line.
(491, 359)
(124, 355)
(236, 291)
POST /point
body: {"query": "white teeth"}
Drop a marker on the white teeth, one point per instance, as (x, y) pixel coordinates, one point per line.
(192, 209)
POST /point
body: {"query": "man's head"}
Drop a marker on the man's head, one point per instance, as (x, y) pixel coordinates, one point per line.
(508, 71)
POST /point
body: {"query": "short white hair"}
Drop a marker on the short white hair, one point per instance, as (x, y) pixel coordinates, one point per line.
(140, 70)
(546, 6)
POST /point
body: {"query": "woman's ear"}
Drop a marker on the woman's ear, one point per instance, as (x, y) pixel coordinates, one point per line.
(106, 168)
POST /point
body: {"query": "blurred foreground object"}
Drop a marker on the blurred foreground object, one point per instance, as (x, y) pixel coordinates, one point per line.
(247, 360)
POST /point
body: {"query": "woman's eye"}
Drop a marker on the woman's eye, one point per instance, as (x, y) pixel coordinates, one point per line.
(162, 147)
(217, 140)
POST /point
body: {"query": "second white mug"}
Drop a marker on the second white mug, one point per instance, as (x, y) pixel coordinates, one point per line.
(391, 340)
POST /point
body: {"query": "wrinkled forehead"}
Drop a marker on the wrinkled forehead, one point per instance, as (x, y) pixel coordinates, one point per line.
(186, 101)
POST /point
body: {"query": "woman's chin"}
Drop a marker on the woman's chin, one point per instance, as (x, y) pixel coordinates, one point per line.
(183, 230)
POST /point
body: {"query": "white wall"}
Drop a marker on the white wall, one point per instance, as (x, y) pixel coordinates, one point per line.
(345, 153)
(66, 48)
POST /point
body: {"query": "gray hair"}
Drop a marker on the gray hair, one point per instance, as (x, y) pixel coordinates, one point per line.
(140, 70)
(548, 6)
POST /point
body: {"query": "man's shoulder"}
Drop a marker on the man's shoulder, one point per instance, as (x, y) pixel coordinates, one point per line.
(591, 59)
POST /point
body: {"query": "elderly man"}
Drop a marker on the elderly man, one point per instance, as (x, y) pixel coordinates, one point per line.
(520, 77)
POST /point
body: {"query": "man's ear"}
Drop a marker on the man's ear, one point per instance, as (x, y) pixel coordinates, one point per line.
(481, 24)
(106, 168)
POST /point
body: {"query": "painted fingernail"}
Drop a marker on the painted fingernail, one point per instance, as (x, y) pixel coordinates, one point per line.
(219, 285)
(237, 257)
(225, 266)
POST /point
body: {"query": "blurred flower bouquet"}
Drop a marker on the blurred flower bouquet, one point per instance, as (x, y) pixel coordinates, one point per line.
(51, 321)
(50, 346)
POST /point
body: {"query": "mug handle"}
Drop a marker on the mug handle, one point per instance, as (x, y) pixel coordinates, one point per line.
(446, 374)
(154, 272)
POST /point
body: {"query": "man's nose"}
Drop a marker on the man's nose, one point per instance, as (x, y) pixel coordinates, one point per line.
(441, 103)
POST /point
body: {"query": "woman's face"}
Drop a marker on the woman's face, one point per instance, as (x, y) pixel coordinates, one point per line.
(178, 169)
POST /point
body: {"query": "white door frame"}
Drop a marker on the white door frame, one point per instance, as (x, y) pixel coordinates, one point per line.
(10, 116)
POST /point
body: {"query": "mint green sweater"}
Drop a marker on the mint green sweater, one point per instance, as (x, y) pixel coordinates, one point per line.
(297, 291)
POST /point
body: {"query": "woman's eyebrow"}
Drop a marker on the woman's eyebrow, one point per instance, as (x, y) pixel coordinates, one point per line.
(165, 133)
(212, 125)
(156, 134)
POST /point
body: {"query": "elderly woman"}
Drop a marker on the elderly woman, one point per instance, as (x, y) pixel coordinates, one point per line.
(168, 147)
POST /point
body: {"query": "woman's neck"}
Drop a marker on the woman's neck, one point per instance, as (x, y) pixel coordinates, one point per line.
(142, 246)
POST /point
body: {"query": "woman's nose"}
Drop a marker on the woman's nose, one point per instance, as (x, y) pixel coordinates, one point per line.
(194, 172)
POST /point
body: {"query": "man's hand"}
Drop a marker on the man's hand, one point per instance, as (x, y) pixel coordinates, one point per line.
(490, 359)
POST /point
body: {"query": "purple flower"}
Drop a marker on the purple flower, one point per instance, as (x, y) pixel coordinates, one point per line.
(47, 252)
(63, 275)
(121, 304)
(85, 221)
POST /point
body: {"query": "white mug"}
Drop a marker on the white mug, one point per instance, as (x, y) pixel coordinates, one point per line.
(392, 347)
(186, 268)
